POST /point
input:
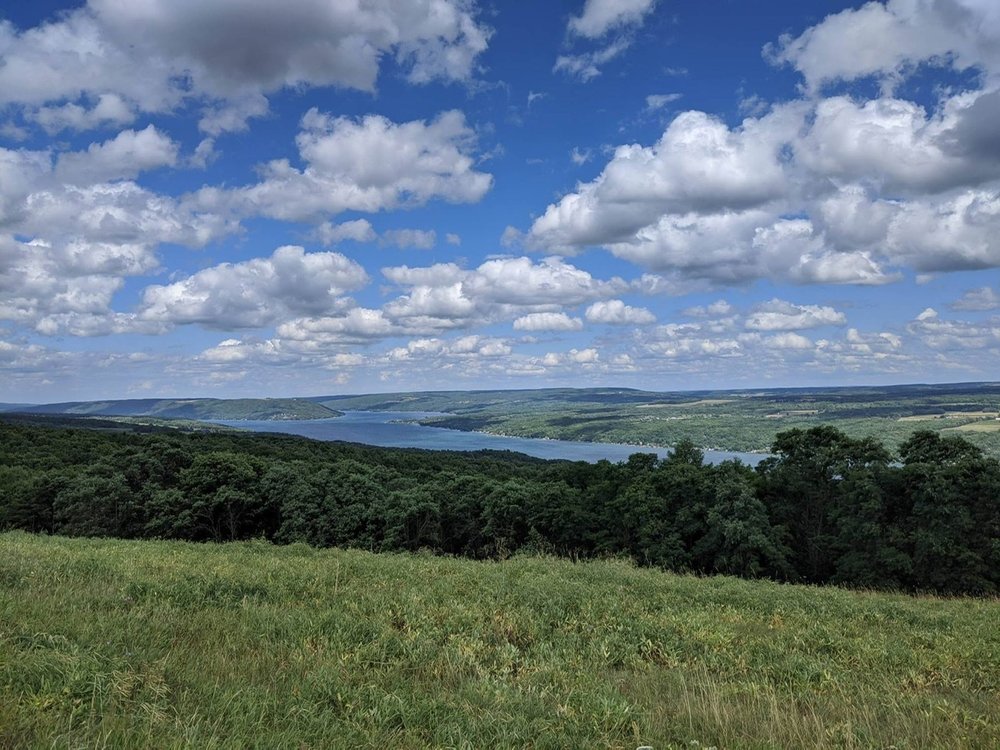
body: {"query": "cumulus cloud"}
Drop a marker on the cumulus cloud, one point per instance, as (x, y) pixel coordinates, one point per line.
(894, 144)
(955, 335)
(520, 281)
(75, 225)
(826, 189)
(465, 348)
(358, 230)
(616, 312)
(153, 55)
(547, 321)
(446, 296)
(698, 166)
(716, 309)
(886, 39)
(68, 286)
(954, 233)
(779, 315)
(107, 110)
(122, 157)
(356, 325)
(836, 192)
(256, 292)
(788, 341)
(417, 161)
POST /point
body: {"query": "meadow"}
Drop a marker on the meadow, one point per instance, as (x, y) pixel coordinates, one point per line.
(174, 644)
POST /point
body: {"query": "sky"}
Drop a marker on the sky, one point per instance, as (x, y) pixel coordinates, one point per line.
(243, 198)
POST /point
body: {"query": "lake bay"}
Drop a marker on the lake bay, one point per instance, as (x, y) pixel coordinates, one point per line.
(395, 429)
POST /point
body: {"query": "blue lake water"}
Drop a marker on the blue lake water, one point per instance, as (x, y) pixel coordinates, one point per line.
(392, 429)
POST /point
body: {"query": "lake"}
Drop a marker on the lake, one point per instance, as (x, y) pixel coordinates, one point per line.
(392, 429)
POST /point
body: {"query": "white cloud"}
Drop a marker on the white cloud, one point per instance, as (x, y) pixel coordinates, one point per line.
(358, 230)
(885, 39)
(445, 296)
(68, 286)
(955, 335)
(519, 281)
(232, 116)
(440, 274)
(587, 357)
(954, 233)
(586, 65)
(984, 298)
(715, 309)
(583, 356)
(659, 101)
(123, 157)
(698, 165)
(109, 109)
(154, 54)
(78, 236)
(420, 239)
(256, 292)
(836, 192)
(893, 144)
(204, 153)
(580, 157)
(597, 21)
(467, 349)
(547, 321)
(788, 341)
(616, 312)
(417, 161)
(601, 16)
(357, 324)
(436, 307)
(779, 315)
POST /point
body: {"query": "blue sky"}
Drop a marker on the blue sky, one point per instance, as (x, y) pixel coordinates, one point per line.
(241, 198)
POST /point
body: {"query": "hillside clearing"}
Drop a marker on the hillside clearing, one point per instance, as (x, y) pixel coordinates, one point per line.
(129, 644)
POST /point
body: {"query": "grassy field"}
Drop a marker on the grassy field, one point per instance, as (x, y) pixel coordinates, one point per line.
(136, 644)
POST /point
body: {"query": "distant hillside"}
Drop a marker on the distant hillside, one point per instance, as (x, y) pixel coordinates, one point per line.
(14, 407)
(195, 408)
(736, 420)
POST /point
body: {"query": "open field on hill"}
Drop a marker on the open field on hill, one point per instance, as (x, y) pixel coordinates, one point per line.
(128, 644)
(993, 426)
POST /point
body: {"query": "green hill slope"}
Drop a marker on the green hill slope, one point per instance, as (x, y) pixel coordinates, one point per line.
(196, 408)
(167, 644)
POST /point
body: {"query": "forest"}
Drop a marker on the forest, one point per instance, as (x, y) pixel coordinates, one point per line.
(826, 508)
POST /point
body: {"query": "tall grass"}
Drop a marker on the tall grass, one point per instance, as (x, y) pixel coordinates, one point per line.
(166, 644)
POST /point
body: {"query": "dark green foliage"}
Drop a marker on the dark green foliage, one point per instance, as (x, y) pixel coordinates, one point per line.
(826, 508)
(740, 538)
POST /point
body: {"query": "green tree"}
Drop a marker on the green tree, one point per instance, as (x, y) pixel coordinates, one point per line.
(739, 537)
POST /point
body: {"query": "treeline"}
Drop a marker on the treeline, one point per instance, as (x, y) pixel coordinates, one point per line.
(825, 508)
